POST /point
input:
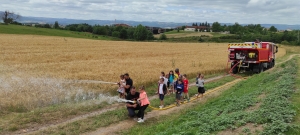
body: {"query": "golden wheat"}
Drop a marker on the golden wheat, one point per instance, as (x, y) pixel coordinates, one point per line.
(42, 70)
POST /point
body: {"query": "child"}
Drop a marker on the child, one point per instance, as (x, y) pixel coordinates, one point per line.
(186, 87)
(170, 82)
(162, 75)
(162, 91)
(200, 85)
(179, 90)
(121, 88)
(144, 102)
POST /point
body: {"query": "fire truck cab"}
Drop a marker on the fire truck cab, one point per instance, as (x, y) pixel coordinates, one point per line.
(252, 56)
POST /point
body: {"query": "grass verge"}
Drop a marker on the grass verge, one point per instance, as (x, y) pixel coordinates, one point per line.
(14, 121)
(295, 99)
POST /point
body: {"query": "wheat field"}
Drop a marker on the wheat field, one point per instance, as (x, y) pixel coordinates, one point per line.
(41, 70)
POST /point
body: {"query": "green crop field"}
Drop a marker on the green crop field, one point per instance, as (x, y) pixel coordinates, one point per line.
(28, 30)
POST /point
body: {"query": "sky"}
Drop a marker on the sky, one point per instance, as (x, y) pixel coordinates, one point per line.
(179, 11)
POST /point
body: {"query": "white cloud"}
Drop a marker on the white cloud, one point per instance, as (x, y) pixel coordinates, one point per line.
(230, 11)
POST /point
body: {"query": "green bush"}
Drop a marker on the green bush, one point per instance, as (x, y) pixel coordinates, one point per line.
(116, 34)
(163, 37)
(285, 42)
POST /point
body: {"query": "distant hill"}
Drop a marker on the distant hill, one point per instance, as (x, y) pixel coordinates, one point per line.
(66, 21)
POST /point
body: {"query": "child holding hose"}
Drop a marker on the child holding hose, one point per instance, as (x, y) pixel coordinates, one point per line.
(144, 103)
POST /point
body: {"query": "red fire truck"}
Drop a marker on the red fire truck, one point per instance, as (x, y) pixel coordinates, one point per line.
(252, 56)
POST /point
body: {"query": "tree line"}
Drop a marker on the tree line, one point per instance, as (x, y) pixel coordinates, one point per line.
(255, 31)
(138, 33)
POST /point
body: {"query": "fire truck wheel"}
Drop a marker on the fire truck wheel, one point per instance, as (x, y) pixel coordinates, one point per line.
(235, 70)
(272, 63)
(261, 68)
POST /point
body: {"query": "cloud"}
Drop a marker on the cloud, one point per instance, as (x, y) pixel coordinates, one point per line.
(230, 11)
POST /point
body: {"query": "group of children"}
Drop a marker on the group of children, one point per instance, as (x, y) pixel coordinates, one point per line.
(171, 83)
(177, 84)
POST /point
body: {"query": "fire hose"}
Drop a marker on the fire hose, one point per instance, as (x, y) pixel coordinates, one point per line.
(230, 71)
(195, 98)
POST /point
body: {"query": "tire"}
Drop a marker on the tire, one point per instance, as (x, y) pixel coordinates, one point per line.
(261, 68)
(269, 65)
(235, 69)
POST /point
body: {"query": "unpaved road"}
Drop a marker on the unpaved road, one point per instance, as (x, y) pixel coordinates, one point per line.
(291, 56)
(37, 129)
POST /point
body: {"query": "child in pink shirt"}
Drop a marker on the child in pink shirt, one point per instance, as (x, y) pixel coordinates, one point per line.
(144, 102)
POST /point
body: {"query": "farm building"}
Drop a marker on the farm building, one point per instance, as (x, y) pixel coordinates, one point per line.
(155, 30)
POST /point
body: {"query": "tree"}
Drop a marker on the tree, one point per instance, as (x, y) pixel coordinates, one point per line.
(216, 27)
(140, 33)
(123, 33)
(150, 35)
(56, 26)
(100, 30)
(183, 27)
(273, 29)
(47, 26)
(116, 34)
(130, 32)
(9, 17)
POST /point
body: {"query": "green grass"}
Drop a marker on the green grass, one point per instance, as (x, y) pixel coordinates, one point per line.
(89, 124)
(27, 30)
(15, 121)
(217, 34)
(295, 99)
(180, 31)
(228, 111)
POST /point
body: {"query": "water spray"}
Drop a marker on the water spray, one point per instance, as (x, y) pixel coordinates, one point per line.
(93, 81)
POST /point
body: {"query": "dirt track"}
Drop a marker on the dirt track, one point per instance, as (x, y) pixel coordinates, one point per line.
(291, 56)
